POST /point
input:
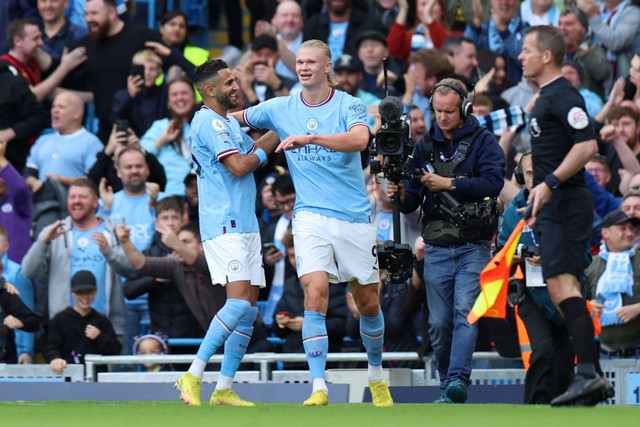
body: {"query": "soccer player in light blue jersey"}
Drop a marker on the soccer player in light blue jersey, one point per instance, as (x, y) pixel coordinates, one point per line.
(323, 131)
(224, 158)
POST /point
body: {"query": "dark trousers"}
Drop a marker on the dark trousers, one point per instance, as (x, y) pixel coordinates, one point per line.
(552, 357)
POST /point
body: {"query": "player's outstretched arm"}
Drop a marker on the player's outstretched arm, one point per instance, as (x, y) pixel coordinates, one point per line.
(356, 139)
(239, 116)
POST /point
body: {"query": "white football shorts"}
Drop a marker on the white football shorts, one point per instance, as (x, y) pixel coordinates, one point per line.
(345, 250)
(233, 257)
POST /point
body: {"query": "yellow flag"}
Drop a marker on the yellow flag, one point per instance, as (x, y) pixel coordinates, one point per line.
(492, 301)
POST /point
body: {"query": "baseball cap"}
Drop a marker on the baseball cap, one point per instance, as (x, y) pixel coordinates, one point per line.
(618, 217)
(83, 280)
(264, 40)
(371, 35)
(347, 62)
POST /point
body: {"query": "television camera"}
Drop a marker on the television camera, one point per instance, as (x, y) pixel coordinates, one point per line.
(390, 149)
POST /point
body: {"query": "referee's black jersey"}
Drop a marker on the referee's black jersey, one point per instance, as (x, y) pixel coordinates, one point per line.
(558, 120)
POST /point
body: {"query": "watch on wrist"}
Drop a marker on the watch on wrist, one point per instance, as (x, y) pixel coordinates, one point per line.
(453, 183)
(552, 182)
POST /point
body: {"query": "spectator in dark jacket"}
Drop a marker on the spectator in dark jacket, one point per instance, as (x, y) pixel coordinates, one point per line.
(22, 117)
(14, 314)
(104, 166)
(79, 330)
(110, 46)
(169, 282)
(142, 102)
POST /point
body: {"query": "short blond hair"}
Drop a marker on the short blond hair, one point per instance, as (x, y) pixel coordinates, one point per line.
(322, 46)
(147, 55)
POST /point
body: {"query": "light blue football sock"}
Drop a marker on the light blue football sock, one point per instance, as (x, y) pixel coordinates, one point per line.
(316, 342)
(222, 325)
(372, 334)
(236, 346)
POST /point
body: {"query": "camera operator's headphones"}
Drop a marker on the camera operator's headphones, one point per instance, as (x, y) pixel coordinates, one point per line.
(466, 106)
(518, 173)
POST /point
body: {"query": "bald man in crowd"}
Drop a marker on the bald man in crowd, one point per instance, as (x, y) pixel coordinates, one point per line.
(69, 152)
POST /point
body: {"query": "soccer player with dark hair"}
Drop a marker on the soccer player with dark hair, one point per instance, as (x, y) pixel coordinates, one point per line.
(225, 158)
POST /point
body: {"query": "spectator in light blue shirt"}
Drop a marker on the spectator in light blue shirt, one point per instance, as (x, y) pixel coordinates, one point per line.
(168, 138)
(69, 152)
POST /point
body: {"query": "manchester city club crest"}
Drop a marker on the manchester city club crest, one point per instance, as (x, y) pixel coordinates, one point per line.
(217, 125)
(83, 242)
(234, 266)
(312, 124)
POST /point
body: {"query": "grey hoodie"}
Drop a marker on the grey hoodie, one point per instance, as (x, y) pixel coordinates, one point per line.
(52, 265)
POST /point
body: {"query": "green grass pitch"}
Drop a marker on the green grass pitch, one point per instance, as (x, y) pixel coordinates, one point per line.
(176, 414)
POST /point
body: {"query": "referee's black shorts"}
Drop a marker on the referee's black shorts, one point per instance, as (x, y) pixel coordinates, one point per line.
(564, 228)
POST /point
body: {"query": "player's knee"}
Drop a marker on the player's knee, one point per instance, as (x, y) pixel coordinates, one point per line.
(316, 297)
(239, 307)
(368, 306)
(251, 314)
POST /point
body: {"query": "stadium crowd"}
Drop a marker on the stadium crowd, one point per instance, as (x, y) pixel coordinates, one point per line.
(95, 119)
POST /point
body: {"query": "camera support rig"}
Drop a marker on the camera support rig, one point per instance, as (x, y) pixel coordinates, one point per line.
(393, 143)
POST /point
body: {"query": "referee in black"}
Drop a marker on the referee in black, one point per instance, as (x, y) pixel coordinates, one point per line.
(562, 141)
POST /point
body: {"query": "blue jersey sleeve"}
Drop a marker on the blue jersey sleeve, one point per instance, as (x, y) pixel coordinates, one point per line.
(248, 144)
(259, 116)
(356, 113)
(223, 145)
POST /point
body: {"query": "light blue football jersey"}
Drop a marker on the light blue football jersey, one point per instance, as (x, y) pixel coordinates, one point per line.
(327, 182)
(226, 202)
(140, 217)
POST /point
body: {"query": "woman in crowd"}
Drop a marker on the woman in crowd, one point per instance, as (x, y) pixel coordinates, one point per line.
(173, 29)
(168, 138)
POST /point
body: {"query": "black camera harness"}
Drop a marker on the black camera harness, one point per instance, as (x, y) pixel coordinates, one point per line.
(467, 221)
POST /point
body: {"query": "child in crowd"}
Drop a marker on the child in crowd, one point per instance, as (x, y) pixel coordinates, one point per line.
(150, 345)
(79, 330)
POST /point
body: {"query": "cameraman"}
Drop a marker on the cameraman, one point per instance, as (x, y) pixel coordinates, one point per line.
(469, 174)
(551, 363)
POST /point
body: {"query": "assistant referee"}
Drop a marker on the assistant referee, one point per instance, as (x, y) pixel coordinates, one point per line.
(562, 141)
